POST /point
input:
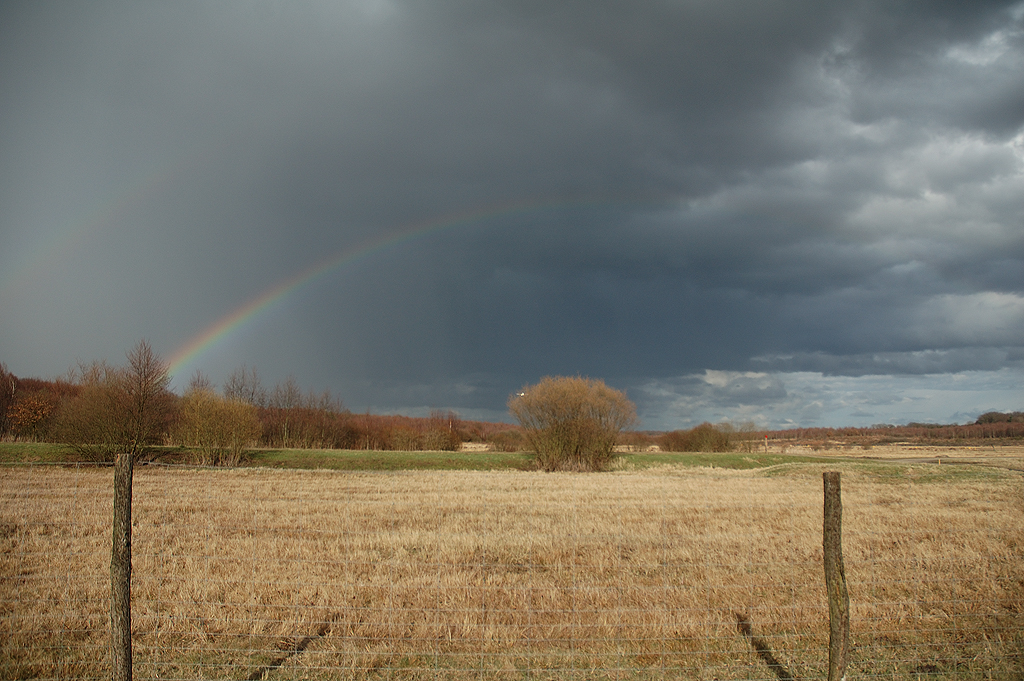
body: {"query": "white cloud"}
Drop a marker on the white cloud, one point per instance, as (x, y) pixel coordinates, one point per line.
(805, 399)
(983, 52)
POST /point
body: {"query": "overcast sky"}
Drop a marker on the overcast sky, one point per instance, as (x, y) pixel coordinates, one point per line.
(788, 212)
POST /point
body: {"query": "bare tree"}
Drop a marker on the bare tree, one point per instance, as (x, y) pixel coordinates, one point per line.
(572, 423)
(146, 398)
(199, 381)
(285, 399)
(287, 395)
(244, 384)
(117, 409)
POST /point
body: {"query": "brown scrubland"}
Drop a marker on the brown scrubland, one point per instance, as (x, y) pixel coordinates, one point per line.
(653, 574)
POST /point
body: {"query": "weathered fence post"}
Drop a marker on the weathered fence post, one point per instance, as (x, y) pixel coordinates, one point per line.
(121, 570)
(835, 580)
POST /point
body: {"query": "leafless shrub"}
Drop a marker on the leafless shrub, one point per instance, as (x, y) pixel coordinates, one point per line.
(442, 432)
(702, 438)
(405, 440)
(89, 422)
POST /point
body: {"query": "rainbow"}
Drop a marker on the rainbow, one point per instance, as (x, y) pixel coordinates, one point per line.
(234, 320)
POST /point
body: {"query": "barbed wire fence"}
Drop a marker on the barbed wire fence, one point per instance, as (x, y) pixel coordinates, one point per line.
(656, 574)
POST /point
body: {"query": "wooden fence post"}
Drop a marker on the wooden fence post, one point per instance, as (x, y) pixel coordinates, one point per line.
(121, 571)
(835, 580)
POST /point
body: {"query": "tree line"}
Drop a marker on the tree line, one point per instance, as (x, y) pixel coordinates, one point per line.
(989, 426)
(85, 409)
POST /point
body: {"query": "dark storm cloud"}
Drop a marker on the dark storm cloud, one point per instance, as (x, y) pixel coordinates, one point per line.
(708, 203)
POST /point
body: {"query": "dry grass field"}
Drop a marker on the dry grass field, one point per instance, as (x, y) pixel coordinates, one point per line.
(515, 575)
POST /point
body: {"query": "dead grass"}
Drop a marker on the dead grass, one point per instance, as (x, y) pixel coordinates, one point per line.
(322, 574)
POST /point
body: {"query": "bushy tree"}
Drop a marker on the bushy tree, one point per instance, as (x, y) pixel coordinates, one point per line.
(217, 428)
(572, 423)
(29, 414)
